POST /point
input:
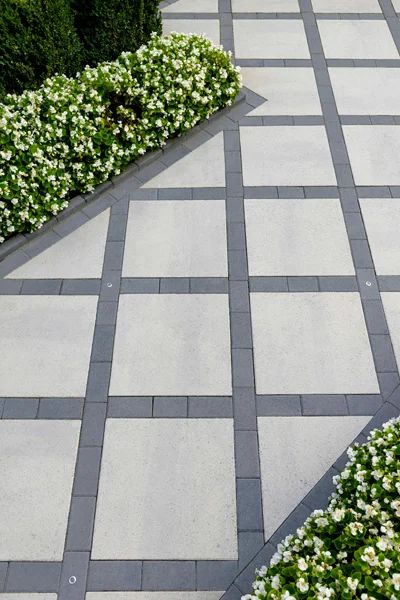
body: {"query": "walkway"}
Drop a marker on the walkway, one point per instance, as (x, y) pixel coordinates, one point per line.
(184, 359)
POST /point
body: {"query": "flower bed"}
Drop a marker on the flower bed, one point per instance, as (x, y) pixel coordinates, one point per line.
(352, 549)
(74, 133)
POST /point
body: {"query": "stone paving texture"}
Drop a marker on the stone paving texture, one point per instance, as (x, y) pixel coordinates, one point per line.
(187, 355)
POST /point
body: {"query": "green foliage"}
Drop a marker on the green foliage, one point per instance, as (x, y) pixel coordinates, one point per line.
(109, 27)
(74, 133)
(352, 549)
(37, 40)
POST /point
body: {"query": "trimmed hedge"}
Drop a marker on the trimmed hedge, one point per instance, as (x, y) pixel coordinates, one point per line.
(109, 27)
(352, 549)
(74, 133)
(38, 39)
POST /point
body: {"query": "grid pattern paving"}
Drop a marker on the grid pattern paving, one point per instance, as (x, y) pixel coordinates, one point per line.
(203, 340)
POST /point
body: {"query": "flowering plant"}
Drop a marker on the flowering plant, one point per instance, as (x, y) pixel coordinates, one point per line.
(352, 549)
(74, 133)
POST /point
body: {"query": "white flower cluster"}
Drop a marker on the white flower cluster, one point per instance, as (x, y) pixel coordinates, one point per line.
(352, 549)
(74, 133)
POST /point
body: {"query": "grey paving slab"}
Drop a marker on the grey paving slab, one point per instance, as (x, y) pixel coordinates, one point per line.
(166, 520)
(51, 337)
(208, 27)
(346, 6)
(382, 221)
(373, 152)
(275, 38)
(321, 354)
(184, 339)
(290, 446)
(176, 239)
(287, 91)
(130, 407)
(265, 6)
(73, 575)
(203, 167)
(192, 6)
(274, 156)
(159, 575)
(36, 457)
(352, 39)
(78, 255)
(391, 304)
(297, 237)
(20, 408)
(153, 596)
(380, 90)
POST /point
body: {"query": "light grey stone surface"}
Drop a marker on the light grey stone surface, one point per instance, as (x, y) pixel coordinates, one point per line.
(297, 237)
(273, 38)
(287, 91)
(374, 152)
(150, 596)
(167, 490)
(353, 39)
(366, 91)
(346, 6)
(391, 304)
(37, 463)
(295, 452)
(265, 6)
(78, 255)
(192, 6)
(203, 167)
(29, 596)
(287, 156)
(303, 344)
(168, 344)
(382, 221)
(176, 239)
(46, 345)
(208, 27)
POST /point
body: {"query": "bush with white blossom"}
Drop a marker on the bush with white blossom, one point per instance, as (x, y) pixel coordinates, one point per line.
(352, 549)
(74, 133)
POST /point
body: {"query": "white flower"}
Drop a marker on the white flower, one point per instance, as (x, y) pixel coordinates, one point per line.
(302, 585)
(302, 564)
(396, 581)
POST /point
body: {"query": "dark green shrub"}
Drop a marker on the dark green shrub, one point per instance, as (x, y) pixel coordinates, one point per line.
(37, 40)
(109, 27)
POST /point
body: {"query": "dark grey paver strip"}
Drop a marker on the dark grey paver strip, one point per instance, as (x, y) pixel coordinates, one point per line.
(33, 577)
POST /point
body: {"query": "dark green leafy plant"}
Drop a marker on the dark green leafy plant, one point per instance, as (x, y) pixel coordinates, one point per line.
(109, 27)
(37, 40)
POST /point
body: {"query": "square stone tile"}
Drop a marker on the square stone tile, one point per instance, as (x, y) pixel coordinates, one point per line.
(366, 91)
(374, 153)
(346, 6)
(37, 463)
(167, 491)
(79, 255)
(297, 237)
(311, 343)
(29, 596)
(295, 452)
(287, 156)
(150, 596)
(265, 6)
(391, 304)
(287, 91)
(172, 345)
(382, 221)
(207, 27)
(46, 345)
(192, 6)
(357, 39)
(176, 239)
(270, 38)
